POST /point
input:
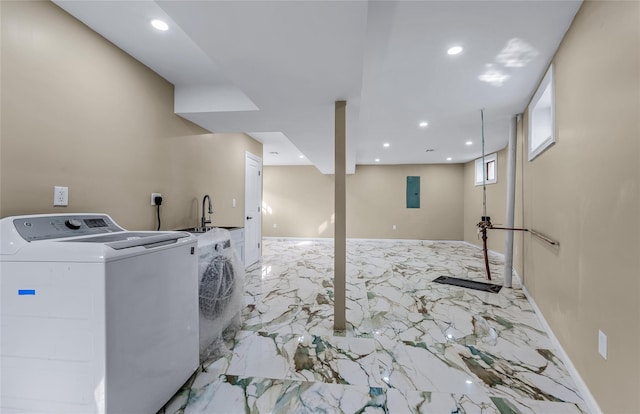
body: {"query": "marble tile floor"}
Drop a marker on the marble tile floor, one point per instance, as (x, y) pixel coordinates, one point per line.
(411, 345)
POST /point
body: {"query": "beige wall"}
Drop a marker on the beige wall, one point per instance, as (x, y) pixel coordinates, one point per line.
(584, 192)
(79, 112)
(496, 204)
(376, 200)
(299, 201)
(211, 164)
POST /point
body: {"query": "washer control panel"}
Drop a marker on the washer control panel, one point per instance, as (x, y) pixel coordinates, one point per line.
(57, 227)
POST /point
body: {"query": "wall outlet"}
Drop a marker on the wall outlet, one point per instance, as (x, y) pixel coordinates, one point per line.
(602, 344)
(275, 225)
(60, 196)
(153, 198)
(394, 226)
(233, 202)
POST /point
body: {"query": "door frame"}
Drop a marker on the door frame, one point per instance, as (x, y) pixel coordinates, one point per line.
(258, 218)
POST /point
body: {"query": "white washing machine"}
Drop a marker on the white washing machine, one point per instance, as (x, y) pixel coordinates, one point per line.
(94, 319)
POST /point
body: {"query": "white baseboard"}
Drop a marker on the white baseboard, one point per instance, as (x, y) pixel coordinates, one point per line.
(590, 402)
(357, 239)
(297, 238)
(492, 252)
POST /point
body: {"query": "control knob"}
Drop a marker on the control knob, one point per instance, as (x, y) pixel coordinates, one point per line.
(73, 224)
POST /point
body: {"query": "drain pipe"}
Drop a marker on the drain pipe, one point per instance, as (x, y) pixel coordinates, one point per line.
(511, 200)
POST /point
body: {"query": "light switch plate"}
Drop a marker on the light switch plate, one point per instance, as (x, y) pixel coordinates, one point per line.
(602, 344)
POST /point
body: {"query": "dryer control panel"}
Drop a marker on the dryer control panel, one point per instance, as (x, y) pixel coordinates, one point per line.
(57, 227)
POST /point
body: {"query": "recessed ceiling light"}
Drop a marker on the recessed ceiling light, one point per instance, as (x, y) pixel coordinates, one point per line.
(301, 156)
(468, 143)
(377, 159)
(469, 382)
(423, 124)
(386, 145)
(449, 158)
(160, 25)
(455, 50)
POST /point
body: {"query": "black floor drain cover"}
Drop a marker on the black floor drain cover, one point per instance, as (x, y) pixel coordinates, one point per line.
(454, 281)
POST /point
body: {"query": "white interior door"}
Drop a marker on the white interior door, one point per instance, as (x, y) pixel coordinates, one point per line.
(252, 208)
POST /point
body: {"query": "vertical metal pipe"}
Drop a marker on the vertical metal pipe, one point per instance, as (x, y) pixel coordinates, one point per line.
(511, 201)
(484, 171)
(484, 202)
(340, 231)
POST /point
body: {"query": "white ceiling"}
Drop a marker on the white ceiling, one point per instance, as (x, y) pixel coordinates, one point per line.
(274, 69)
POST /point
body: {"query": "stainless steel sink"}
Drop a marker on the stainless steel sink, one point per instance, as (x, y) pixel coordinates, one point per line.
(201, 230)
(197, 230)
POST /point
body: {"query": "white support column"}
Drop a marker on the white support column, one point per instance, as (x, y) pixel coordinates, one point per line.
(511, 201)
(340, 232)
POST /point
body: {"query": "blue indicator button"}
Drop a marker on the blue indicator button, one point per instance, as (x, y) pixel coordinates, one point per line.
(22, 292)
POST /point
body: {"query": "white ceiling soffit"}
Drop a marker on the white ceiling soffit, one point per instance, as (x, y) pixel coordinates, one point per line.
(276, 147)
(278, 67)
(293, 59)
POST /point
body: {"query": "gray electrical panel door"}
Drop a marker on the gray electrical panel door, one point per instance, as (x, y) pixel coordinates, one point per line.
(413, 192)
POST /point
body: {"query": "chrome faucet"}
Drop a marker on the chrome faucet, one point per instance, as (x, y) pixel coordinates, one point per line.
(203, 220)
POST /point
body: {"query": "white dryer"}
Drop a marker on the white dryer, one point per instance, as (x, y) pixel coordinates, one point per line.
(94, 319)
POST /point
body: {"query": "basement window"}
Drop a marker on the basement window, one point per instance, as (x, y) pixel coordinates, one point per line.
(542, 117)
(489, 169)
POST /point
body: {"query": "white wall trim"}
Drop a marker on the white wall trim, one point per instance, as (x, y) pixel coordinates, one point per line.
(297, 238)
(589, 400)
(351, 238)
(493, 252)
(407, 240)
